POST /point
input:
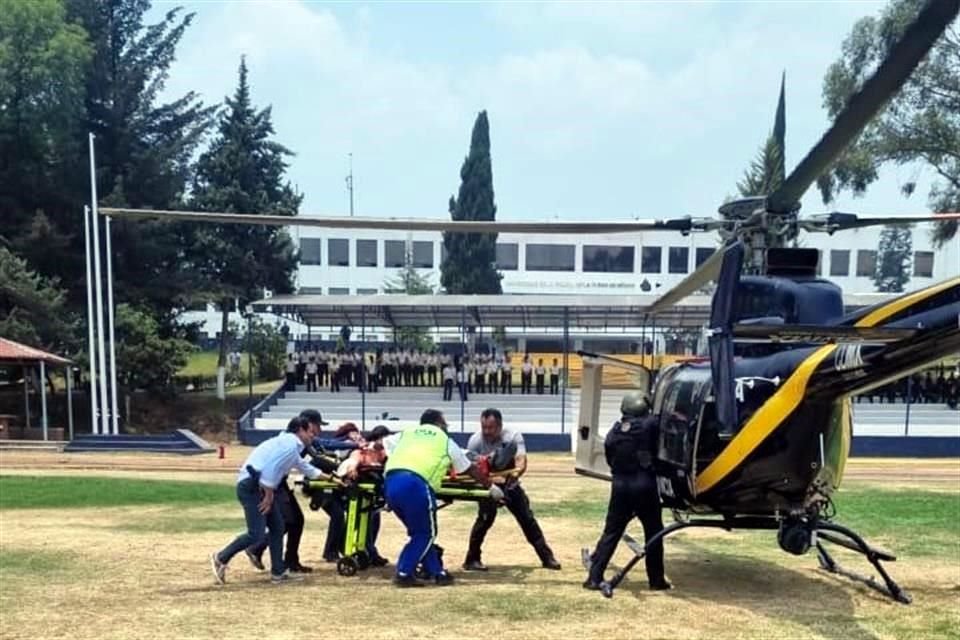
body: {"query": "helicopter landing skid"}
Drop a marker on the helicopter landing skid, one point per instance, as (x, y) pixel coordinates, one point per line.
(827, 530)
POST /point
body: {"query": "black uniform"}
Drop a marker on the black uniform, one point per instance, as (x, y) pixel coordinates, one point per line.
(630, 449)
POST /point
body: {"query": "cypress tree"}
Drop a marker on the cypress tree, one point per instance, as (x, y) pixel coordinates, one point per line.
(470, 262)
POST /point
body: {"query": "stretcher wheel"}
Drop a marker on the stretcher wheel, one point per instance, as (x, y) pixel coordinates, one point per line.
(362, 558)
(347, 567)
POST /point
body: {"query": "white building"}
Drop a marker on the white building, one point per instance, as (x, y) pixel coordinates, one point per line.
(339, 262)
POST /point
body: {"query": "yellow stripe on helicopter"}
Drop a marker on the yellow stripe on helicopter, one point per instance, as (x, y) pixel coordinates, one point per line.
(782, 403)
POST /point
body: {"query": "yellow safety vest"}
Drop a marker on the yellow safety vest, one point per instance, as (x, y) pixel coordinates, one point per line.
(422, 450)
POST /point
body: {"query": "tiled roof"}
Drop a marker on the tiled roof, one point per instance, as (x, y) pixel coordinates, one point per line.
(10, 350)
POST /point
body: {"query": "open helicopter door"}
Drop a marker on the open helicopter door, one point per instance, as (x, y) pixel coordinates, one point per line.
(590, 459)
(588, 439)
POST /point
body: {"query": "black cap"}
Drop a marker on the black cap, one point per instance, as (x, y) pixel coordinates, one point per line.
(312, 415)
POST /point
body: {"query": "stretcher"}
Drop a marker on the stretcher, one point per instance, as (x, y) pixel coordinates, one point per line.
(364, 497)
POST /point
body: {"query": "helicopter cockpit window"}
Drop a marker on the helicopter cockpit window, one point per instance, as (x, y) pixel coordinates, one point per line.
(677, 422)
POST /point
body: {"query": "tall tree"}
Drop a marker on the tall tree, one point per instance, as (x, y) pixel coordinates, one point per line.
(32, 308)
(144, 147)
(43, 62)
(243, 172)
(921, 124)
(894, 257)
(470, 263)
(768, 171)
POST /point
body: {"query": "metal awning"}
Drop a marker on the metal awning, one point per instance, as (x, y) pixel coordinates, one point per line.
(505, 310)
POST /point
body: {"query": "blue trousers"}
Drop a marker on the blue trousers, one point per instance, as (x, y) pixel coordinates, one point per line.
(412, 499)
(248, 493)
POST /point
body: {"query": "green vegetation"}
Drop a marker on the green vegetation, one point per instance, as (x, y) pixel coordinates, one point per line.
(35, 492)
(204, 363)
(20, 562)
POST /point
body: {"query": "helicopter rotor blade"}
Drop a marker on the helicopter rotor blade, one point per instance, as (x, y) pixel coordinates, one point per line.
(892, 73)
(684, 225)
(838, 221)
(704, 275)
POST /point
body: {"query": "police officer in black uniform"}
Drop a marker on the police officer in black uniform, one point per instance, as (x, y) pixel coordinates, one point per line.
(630, 449)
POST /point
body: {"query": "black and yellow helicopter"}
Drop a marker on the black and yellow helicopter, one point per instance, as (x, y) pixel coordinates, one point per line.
(757, 434)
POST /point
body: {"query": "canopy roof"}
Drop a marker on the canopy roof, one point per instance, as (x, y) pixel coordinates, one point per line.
(506, 310)
(11, 351)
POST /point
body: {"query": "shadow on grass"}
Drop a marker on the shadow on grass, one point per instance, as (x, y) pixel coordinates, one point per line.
(764, 588)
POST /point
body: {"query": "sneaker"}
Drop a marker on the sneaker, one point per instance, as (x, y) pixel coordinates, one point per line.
(590, 585)
(551, 563)
(255, 560)
(443, 579)
(379, 561)
(404, 582)
(219, 568)
(474, 565)
(284, 577)
(299, 568)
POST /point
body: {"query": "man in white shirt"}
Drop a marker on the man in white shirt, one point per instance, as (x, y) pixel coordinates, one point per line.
(555, 378)
(449, 375)
(261, 473)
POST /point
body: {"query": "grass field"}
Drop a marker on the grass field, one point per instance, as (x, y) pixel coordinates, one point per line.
(123, 554)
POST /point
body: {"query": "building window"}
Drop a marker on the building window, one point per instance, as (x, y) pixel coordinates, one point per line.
(311, 291)
(608, 259)
(339, 291)
(702, 254)
(508, 256)
(650, 259)
(866, 262)
(551, 257)
(423, 254)
(678, 259)
(338, 252)
(923, 264)
(366, 253)
(839, 262)
(393, 253)
(310, 251)
(366, 292)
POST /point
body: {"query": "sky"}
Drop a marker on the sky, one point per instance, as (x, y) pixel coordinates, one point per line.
(604, 111)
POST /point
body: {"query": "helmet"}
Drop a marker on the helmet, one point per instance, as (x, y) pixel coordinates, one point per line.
(635, 403)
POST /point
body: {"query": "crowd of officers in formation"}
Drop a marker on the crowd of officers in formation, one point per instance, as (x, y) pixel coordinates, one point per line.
(938, 386)
(414, 463)
(469, 373)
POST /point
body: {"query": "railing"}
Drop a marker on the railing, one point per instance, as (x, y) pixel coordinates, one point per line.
(246, 421)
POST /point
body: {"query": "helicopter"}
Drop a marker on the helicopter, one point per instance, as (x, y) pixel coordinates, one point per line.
(756, 435)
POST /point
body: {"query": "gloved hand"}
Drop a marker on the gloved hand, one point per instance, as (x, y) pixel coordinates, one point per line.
(496, 493)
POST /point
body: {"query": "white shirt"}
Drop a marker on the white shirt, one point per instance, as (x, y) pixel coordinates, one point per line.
(554, 371)
(541, 371)
(458, 458)
(449, 373)
(527, 367)
(275, 458)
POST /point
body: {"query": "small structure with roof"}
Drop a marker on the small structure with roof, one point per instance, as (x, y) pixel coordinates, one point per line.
(14, 355)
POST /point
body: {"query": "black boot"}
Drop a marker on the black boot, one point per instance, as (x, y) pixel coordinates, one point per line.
(546, 555)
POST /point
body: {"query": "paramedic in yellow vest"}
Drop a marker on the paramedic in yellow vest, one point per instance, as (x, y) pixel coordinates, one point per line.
(418, 459)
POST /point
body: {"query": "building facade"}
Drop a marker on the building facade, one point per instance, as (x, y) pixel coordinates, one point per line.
(338, 262)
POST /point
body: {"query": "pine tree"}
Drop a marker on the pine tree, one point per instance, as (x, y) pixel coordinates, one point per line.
(32, 308)
(894, 257)
(768, 171)
(243, 172)
(470, 263)
(409, 281)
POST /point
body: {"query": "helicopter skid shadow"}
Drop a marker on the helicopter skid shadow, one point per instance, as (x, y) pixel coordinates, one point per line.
(765, 588)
